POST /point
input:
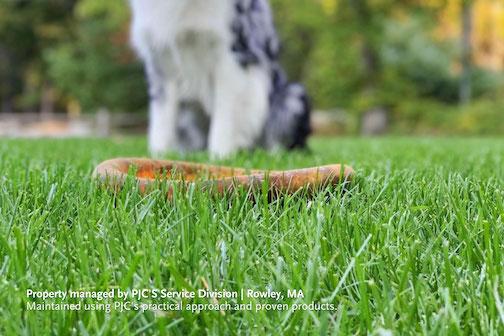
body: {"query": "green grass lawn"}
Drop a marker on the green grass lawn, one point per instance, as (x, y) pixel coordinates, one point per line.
(415, 245)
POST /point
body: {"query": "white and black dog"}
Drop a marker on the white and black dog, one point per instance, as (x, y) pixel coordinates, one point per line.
(214, 77)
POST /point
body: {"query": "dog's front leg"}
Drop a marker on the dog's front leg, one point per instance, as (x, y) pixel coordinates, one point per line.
(163, 121)
(240, 107)
(221, 140)
(163, 107)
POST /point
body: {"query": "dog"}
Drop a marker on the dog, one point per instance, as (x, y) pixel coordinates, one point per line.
(214, 78)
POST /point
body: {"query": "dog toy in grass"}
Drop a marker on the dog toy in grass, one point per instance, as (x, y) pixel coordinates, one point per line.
(217, 179)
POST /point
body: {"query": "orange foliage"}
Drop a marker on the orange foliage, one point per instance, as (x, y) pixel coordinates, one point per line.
(488, 30)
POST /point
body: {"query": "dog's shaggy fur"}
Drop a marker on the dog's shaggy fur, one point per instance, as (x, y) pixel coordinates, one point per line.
(214, 77)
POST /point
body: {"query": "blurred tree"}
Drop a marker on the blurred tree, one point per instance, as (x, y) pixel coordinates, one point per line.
(479, 26)
(357, 29)
(352, 54)
(96, 67)
(465, 90)
(26, 29)
(316, 50)
(8, 80)
(300, 26)
(418, 61)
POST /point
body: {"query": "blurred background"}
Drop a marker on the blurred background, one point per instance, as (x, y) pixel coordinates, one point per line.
(426, 67)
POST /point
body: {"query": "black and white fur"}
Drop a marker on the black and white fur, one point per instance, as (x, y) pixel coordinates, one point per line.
(214, 77)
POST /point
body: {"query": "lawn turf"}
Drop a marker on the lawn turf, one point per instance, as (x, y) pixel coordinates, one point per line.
(415, 245)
